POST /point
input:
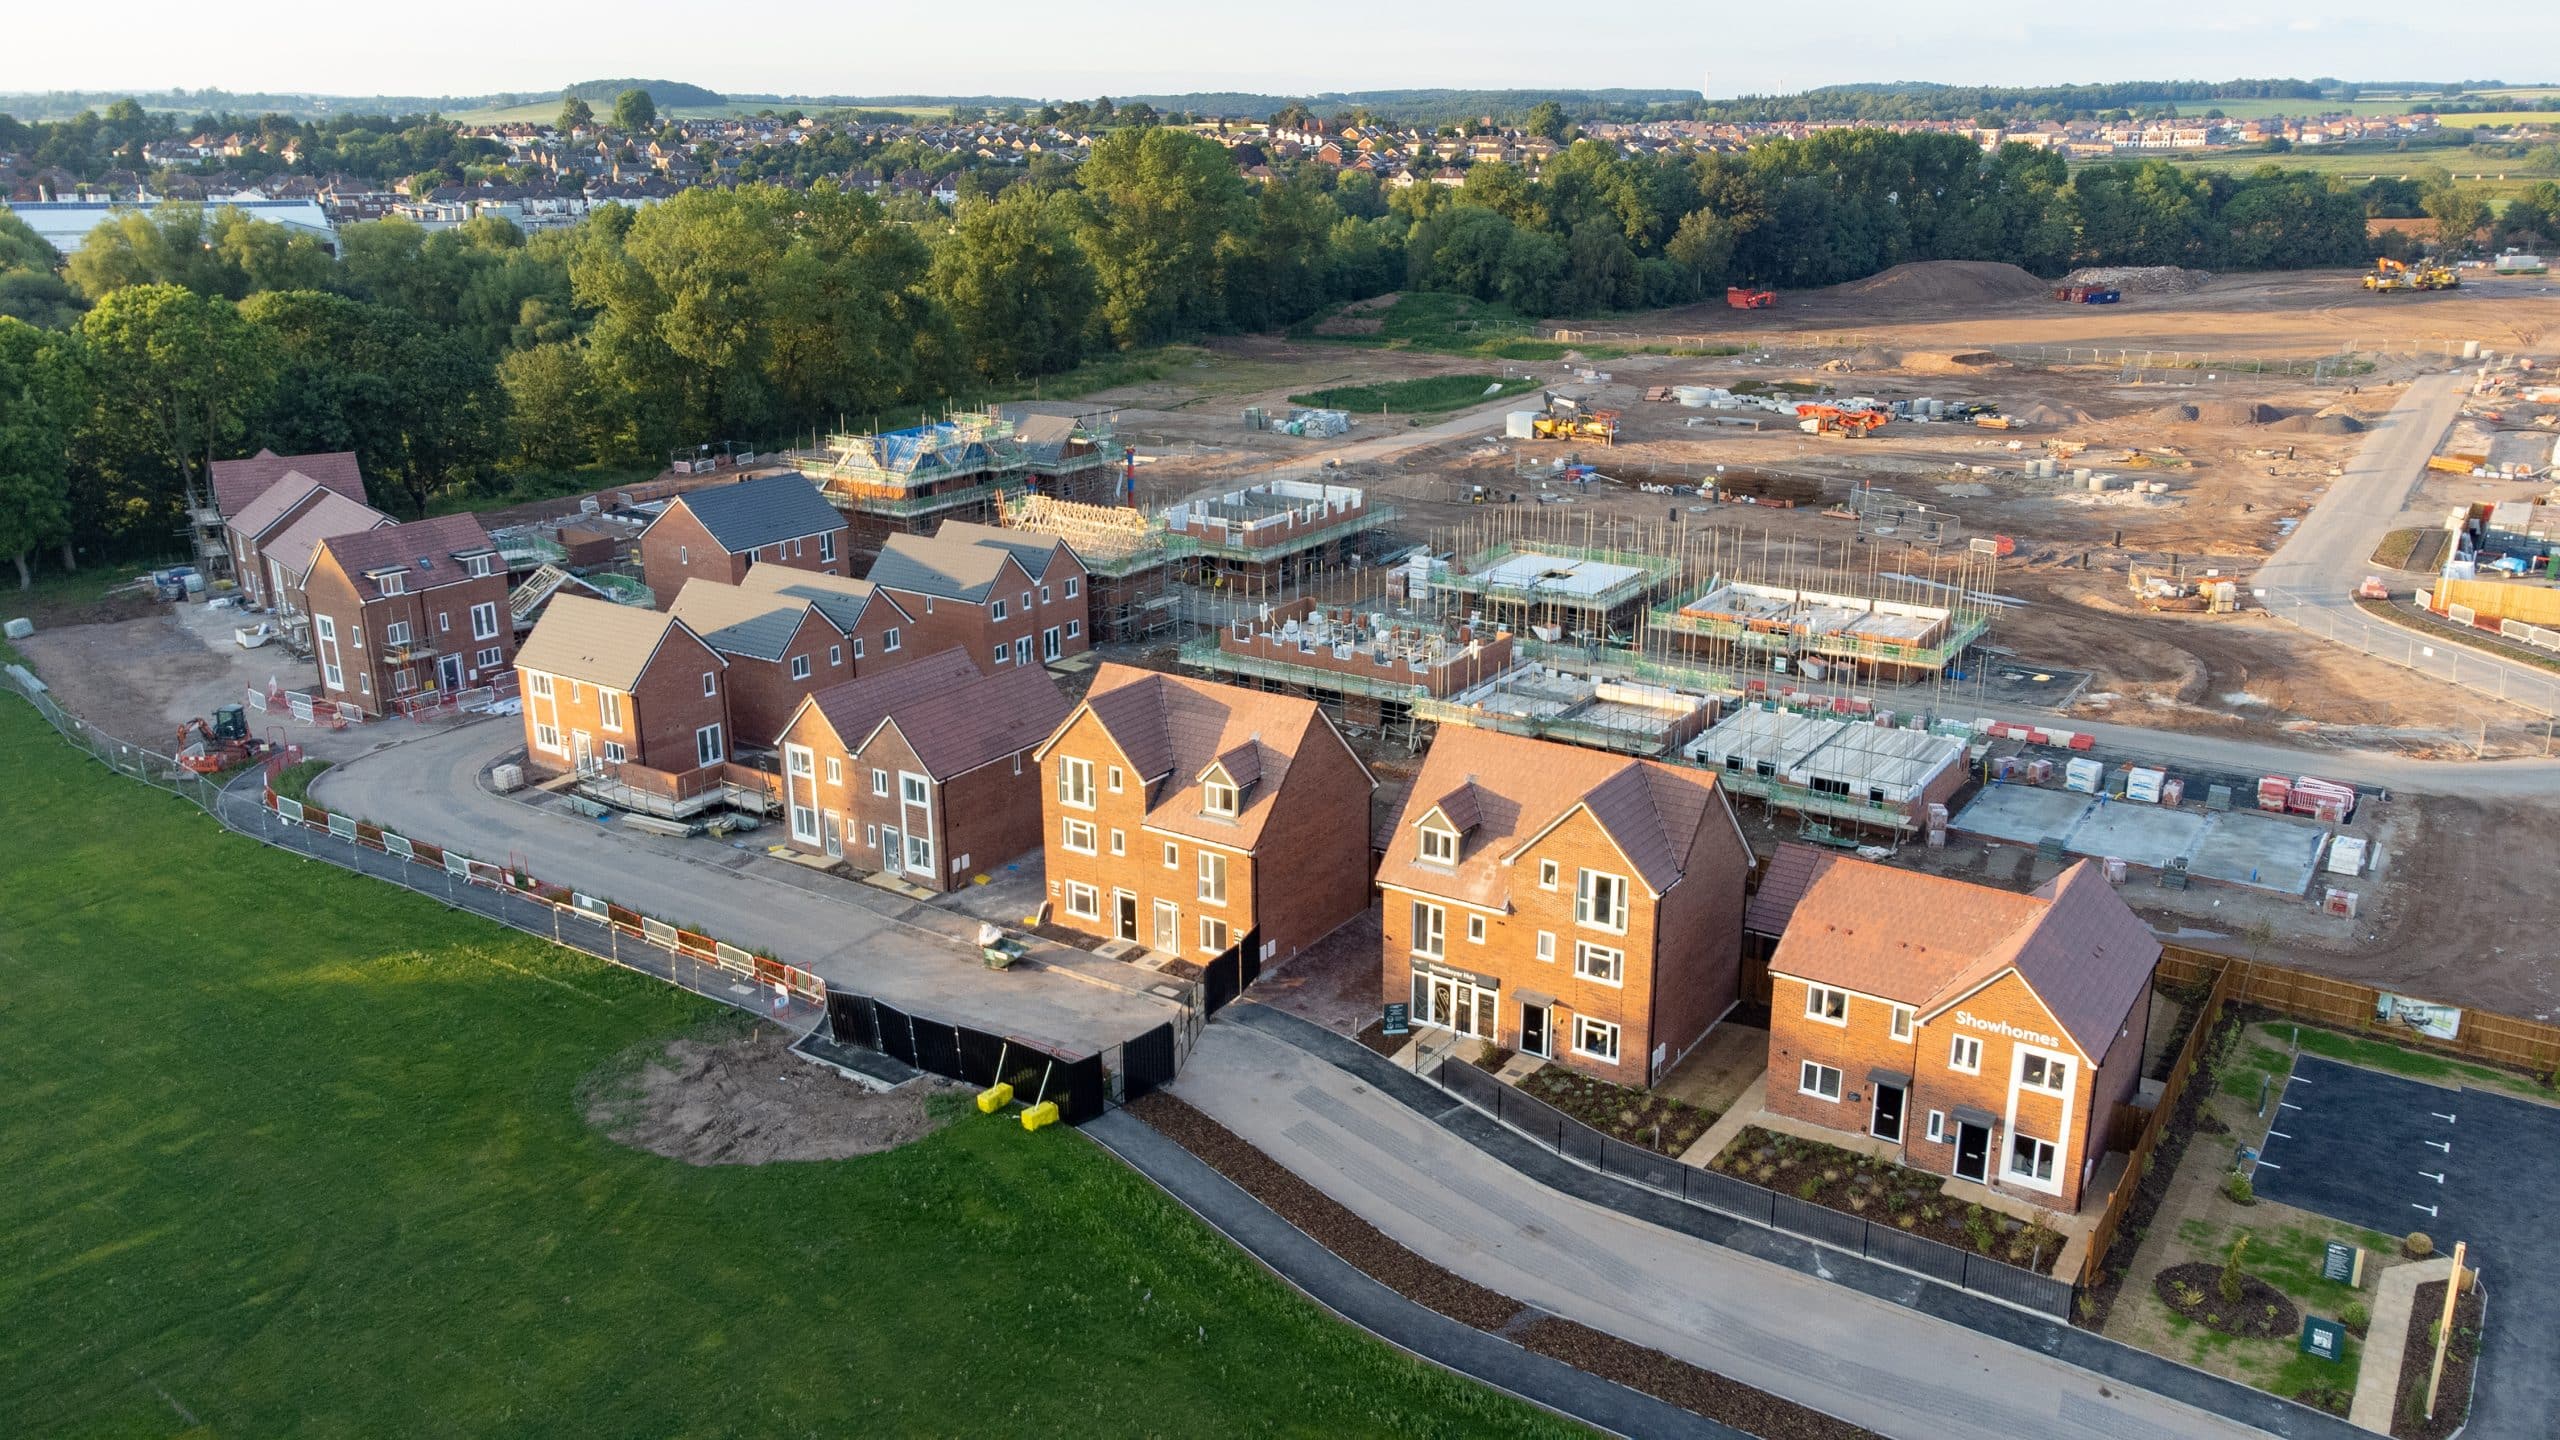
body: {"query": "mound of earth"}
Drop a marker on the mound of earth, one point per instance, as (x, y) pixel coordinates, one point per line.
(1950, 362)
(2141, 279)
(749, 1101)
(1946, 282)
(2319, 425)
(1360, 317)
(2218, 412)
(2036, 412)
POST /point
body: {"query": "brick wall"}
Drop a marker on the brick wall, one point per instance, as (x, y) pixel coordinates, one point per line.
(439, 621)
(658, 717)
(676, 548)
(762, 693)
(1311, 868)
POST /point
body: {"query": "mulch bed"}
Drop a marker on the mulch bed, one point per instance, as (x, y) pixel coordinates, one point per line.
(2262, 1312)
(2098, 1298)
(1374, 1035)
(1641, 1118)
(1913, 1201)
(2453, 1397)
(1332, 1225)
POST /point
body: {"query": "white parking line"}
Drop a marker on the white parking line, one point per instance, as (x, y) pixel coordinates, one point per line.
(2444, 1145)
(2430, 1209)
(2287, 1105)
(2441, 1116)
(2435, 1175)
(2266, 1164)
(2278, 1135)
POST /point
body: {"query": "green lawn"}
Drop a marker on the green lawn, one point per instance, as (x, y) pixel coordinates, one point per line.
(1429, 395)
(293, 1153)
(2416, 1064)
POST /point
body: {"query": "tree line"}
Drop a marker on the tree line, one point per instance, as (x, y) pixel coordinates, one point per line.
(758, 312)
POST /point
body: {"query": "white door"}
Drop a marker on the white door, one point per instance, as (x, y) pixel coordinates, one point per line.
(1168, 927)
(835, 839)
(893, 848)
(800, 783)
(1022, 651)
(1049, 644)
(582, 748)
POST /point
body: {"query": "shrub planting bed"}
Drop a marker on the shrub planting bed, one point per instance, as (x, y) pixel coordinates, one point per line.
(2194, 1290)
(2409, 1419)
(1654, 1122)
(1913, 1201)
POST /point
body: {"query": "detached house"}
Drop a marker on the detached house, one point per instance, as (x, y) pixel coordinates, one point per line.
(405, 610)
(1184, 816)
(1990, 1035)
(1564, 902)
(718, 533)
(1005, 598)
(925, 771)
(621, 691)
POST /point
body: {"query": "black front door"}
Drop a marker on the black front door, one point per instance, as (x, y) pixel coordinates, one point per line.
(1973, 1152)
(1888, 1119)
(1127, 904)
(1533, 1029)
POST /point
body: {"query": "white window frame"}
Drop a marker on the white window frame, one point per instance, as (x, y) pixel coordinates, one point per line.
(491, 658)
(546, 738)
(1900, 1025)
(614, 752)
(1549, 874)
(1215, 935)
(391, 583)
(835, 769)
(1115, 779)
(1079, 837)
(1586, 1029)
(835, 656)
(1937, 1127)
(1172, 856)
(484, 620)
(709, 745)
(1964, 1055)
(1218, 798)
(1475, 929)
(2057, 1079)
(888, 642)
(395, 633)
(914, 789)
(1547, 946)
(879, 781)
(1809, 1080)
(1588, 892)
(800, 667)
(1071, 587)
(1819, 1003)
(1213, 877)
(710, 683)
(1600, 964)
(995, 611)
(536, 682)
(1119, 841)
(1082, 901)
(1075, 628)
(2038, 1147)
(609, 709)
(1430, 938)
(827, 545)
(1075, 782)
(1436, 844)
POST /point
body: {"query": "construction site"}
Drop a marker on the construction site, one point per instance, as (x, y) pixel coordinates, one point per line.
(961, 467)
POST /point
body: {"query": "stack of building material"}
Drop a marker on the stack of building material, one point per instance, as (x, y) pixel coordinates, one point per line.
(2275, 793)
(2142, 784)
(2083, 775)
(2326, 799)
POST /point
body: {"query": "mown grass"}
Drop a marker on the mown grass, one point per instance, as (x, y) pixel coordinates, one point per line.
(1429, 395)
(1451, 325)
(290, 1152)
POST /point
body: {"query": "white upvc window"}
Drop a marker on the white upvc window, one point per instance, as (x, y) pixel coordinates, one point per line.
(392, 582)
(710, 682)
(1827, 1005)
(484, 620)
(996, 612)
(1547, 874)
(1075, 782)
(1119, 841)
(546, 737)
(835, 769)
(535, 681)
(1213, 935)
(1079, 837)
(490, 658)
(1217, 797)
(912, 788)
(1083, 901)
(480, 567)
(1071, 587)
(1599, 962)
(1938, 1126)
(1044, 594)
(707, 747)
(835, 656)
(1547, 946)
(396, 633)
(1600, 901)
(1902, 1022)
(1074, 628)
(1213, 878)
(827, 546)
(2043, 1072)
(800, 760)
(1430, 930)
(614, 752)
(1438, 845)
(608, 707)
(1820, 1081)
(1595, 1039)
(1172, 856)
(888, 642)
(1965, 1053)
(879, 782)
(2030, 1158)
(1114, 779)
(1475, 929)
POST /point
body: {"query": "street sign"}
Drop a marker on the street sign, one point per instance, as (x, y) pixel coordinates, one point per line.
(2324, 1338)
(1395, 1020)
(2343, 1263)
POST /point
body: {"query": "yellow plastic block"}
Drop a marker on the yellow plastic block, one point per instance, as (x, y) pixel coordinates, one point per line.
(1044, 1113)
(995, 1098)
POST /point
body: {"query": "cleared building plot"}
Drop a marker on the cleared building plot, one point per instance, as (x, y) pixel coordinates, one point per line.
(2237, 847)
(1833, 766)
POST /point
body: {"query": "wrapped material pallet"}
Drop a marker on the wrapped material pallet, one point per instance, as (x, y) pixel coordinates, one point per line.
(2142, 784)
(2083, 775)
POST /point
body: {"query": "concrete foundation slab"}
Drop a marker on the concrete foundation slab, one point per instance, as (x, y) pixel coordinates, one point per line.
(2024, 814)
(2261, 851)
(2242, 847)
(2143, 835)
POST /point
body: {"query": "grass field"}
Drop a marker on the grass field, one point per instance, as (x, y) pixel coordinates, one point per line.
(293, 1153)
(1430, 395)
(1445, 324)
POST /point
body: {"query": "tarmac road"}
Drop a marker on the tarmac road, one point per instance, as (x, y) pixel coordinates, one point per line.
(915, 956)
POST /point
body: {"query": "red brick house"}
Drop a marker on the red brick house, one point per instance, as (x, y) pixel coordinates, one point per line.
(1184, 815)
(1005, 598)
(780, 651)
(1990, 1035)
(924, 771)
(1564, 902)
(406, 610)
(718, 532)
(610, 689)
(238, 485)
(280, 509)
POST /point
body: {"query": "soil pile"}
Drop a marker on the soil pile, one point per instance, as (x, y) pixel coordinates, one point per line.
(1946, 282)
(748, 1101)
(1950, 362)
(1360, 317)
(2036, 412)
(2319, 425)
(2141, 279)
(2218, 412)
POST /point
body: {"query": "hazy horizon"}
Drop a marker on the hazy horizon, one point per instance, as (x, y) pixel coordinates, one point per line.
(1156, 47)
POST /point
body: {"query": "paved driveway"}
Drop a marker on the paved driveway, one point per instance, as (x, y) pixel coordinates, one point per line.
(2398, 1155)
(915, 956)
(1850, 1354)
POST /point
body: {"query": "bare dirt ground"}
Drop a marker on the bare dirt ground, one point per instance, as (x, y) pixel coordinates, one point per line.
(731, 1098)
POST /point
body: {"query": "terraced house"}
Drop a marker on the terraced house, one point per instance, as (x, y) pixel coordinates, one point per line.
(1184, 816)
(401, 611)
(722, 531)
(781, 648)
(1990, 1035)
(1005, 598)
(1564, 902)
(622, 693)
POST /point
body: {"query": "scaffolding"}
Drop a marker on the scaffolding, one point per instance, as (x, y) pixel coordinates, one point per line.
(1767, 606)
(1123, 554)
(962, 466)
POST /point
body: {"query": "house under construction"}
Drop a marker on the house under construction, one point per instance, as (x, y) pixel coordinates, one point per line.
(1272, 532)
(910, 481)
(1600, 703)
(1126, 567)
(1837, 761)
(1556, 579)
(1763, 607)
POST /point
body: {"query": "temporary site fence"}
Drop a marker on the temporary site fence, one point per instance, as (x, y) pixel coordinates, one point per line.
(2530, 1046)
(977, 1057)
(1743, 1200)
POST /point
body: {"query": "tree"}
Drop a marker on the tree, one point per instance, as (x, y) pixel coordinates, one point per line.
(418, 406)
(575, 114)
(556, 412)
(1019, 289)
(1160, 201)
(2461, 212)
(1546, 118)
(175, 377)
(634, 113)
(29, 288)
(225, 252)
(41, 390)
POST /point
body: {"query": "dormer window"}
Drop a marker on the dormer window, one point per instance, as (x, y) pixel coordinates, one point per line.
(391, 582)
(1439, 844)
(1218, 795)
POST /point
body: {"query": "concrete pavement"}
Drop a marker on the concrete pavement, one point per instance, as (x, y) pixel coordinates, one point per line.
(902, 951)
(1862, 1358)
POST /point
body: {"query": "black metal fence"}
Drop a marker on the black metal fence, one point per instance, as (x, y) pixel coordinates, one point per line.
(1235, 968)
(1743, 1200)
(1147, 1062)
(976, 1057)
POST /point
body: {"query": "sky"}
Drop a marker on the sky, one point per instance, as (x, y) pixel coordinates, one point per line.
(1058, 51)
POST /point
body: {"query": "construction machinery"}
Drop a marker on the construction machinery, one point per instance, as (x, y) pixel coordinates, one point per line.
(2393, 276)
(1744, 298)
(209, 747)
(1835, 420)
(1568, 420)
(2088, 294)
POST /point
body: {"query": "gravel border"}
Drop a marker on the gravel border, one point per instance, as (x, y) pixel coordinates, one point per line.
(1366, 1248)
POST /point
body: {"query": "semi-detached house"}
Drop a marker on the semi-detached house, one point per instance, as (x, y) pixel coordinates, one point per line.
(624, 693)
(402, 611)
(1990, 1035)
(1005, 599)
(722, 531)
(1184, 816)
(1564, 902)
(923, 772)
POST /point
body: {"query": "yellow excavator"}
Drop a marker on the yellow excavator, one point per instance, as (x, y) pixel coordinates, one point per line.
(2391, 275)
(1566, 420)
